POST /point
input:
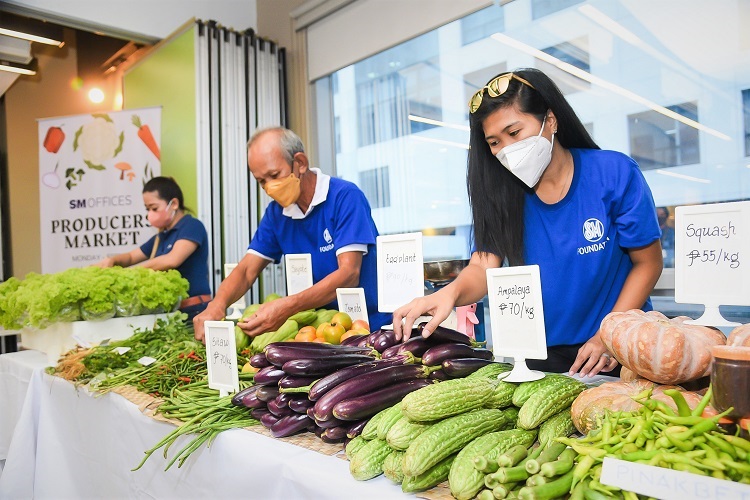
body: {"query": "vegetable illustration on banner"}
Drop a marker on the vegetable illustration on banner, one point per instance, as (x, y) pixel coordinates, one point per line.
(92, 169)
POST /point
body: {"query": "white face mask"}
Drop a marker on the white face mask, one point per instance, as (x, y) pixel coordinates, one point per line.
(528, 158)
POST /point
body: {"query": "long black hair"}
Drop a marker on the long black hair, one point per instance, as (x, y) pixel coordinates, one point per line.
(495, 194)
(166, 188)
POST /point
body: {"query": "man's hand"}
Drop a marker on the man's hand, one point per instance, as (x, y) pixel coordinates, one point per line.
(593, 358)
(213, 312)
(269, 317)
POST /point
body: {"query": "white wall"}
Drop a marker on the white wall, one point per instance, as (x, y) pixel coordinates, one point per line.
(152, 18)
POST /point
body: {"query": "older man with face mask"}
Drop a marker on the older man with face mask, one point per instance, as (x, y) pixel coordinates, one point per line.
(311, 213)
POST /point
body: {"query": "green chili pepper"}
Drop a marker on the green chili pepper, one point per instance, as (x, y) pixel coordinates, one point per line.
(683, 409)
(698, 410)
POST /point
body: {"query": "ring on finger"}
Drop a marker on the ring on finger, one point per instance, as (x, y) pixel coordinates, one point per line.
(606, 356)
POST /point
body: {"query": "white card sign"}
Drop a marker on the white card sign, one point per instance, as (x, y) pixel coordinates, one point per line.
(668, 484)
(235, 310)
(221, 354)
(712, 246)
(517, 317)
(400, 270)
(352, 302)
(299, 275)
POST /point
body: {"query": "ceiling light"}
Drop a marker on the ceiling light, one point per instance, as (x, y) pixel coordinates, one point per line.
(21, 69)
(31, 29)
(96, 95)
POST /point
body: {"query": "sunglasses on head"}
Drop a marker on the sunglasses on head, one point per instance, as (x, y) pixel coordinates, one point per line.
(495, 88)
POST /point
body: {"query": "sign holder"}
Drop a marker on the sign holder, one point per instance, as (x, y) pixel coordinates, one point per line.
(352, 302)
(221, 357)
(235, 310)
(400, 270)
(712, 243)
(517, 319)
(299, 276)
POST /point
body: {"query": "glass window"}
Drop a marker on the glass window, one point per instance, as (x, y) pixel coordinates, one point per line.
(672, 95)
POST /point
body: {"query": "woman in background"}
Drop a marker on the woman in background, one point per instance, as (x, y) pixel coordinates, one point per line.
(181, 243)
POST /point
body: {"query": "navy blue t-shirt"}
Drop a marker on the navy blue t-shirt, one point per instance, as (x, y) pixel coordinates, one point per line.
(343, 219)
(195, 267)
(581, 242)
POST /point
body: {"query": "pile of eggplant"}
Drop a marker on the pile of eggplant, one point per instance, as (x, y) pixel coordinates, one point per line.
(332, 390)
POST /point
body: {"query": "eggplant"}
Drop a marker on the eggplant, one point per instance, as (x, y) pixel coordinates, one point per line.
(267, 393)
(334, 435)
(322, 366)
(443, 334)
(417, 345)
(291, 424)
(385, 340)
(353, 340)
(390, 352)
(301, 405)
(259, 361)
(284, 398)
(251, 400)
(257, 413)
(355, 429)
(370, 339)
(318, 431)
(279, 411)
(237, 398)
(333, 422)
(436, 355)
(328, 382)
(461, 367)
(362, 341)
(305, 345)
(369, 404)
(278, 355)
(270, 375)
(292, 382)
(364, 384)
(439, 375)
(269, 420)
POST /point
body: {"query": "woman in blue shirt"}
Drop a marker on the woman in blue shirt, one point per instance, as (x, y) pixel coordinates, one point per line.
(542, 192)
(181, 243)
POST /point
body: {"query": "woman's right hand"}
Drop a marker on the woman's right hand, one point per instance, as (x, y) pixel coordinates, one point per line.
(438, 305)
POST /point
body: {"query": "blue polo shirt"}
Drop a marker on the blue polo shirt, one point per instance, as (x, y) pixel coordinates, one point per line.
(338, 220)
(195, 267)
(581, 242)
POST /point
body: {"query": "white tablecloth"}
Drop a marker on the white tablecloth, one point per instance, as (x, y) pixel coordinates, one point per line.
(69, 443)
(16, 369)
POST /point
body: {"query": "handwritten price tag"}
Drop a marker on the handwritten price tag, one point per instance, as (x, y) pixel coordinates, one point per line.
(299, 275)
(516, 312)
(352, 302)
(221, 354)
(400, 270)
(712, 243)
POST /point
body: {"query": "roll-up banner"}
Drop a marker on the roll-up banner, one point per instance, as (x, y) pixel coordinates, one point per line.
(92, 169)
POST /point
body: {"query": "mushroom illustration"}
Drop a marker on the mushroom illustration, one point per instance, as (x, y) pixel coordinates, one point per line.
(123, 166)
(131, 175)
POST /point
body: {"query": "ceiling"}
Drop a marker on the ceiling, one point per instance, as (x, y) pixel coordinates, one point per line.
(96, 54)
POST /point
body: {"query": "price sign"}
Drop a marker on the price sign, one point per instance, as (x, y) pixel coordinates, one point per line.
(299, 275)
(221, 354)
(712, 248)
(352, 302)
(235, 310)
(400, 270)
(517, 317)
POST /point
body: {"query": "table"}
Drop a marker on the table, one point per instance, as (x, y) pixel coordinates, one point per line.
(16, 369)
(69, 443)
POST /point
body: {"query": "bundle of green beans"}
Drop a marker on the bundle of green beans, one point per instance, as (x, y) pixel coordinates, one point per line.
(654, 435)
(205, 416)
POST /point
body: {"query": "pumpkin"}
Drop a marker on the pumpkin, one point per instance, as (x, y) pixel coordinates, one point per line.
(617, 396)
(666, 351)
(627, 375)
(740, 336)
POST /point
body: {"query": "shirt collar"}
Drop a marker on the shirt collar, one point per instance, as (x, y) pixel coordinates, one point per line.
(322, 182)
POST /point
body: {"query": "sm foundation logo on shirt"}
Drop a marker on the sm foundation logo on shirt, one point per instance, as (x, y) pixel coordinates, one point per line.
(593, 231)
(328, 239)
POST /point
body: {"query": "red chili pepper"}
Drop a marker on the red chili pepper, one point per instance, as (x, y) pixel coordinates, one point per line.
(184, 379)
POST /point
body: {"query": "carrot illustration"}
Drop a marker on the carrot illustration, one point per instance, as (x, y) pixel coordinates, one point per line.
(144, 133)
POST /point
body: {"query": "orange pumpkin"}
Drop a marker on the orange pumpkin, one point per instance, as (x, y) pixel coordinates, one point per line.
(627, 375)
(657, 348)
(616, 396)
(740, 336)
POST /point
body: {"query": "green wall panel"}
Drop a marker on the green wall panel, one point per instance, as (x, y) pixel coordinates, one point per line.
(166, 78)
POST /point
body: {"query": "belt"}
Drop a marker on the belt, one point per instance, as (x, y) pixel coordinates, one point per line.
(193, 301)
